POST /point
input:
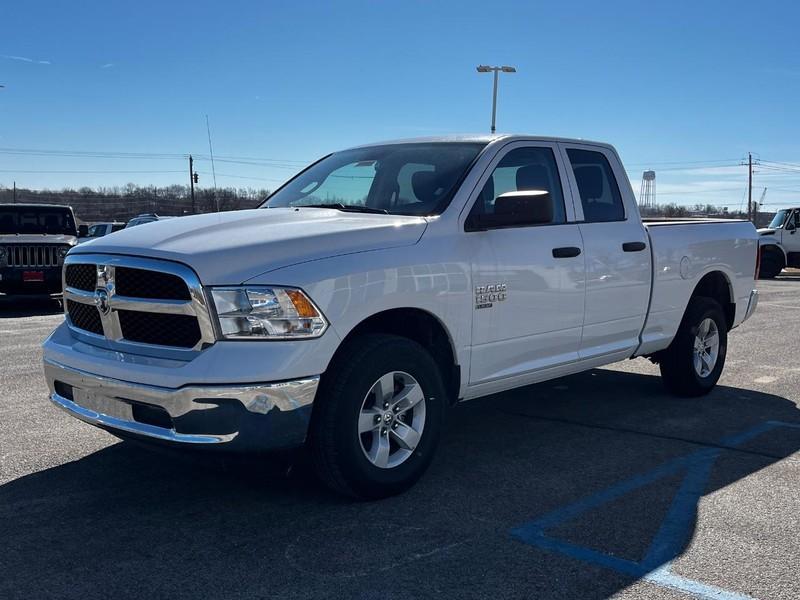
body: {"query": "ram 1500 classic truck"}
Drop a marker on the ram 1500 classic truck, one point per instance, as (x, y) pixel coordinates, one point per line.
(780, 243)
(34, 239)
(381, 285)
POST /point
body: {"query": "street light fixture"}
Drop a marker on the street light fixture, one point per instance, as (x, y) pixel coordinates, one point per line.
(495, 70)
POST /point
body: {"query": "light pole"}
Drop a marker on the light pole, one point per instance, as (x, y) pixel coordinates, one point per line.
(496, 71)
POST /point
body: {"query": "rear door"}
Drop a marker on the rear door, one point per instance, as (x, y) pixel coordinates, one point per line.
(618, 270)
(528, 279)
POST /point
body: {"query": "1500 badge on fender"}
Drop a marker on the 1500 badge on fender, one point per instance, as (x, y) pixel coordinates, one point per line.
(487, 295)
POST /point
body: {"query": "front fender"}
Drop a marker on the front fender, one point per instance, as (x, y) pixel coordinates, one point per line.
(767, 242)
(350, 289)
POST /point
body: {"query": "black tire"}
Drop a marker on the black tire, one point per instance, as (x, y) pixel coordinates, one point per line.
(339, 460)
(678, 372)
(772, 263)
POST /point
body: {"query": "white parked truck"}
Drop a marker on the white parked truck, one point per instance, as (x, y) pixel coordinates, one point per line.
(379, 287)
(780, 243)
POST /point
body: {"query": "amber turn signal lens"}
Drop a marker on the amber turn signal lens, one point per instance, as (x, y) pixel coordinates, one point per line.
(302, 304)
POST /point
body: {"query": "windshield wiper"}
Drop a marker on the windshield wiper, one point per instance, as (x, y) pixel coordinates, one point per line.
(347, 208)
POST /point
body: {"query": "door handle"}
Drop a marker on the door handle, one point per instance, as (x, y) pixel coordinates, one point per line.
(633, 246)
(566, 252)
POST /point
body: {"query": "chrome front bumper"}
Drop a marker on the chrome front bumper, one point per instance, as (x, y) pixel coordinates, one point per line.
(238, 417)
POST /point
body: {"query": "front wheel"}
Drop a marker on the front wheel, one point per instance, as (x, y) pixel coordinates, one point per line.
(378, 417)
(772, 263)
(693, 363)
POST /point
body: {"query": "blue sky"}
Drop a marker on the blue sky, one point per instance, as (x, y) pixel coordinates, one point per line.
(687, 88)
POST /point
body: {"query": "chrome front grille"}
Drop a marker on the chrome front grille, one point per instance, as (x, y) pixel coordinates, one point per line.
(136, 301)
(33, 255)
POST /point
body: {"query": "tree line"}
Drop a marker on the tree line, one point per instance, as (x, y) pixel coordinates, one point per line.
(121, 203)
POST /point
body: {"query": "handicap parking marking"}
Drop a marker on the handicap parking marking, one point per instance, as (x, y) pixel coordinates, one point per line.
(675, 529)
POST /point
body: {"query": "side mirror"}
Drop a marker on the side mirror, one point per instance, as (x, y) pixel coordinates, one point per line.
(83, 231)
(527, 207)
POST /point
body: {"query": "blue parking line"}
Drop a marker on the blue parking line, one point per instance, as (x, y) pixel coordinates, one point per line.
(677, 525)
(675, 530)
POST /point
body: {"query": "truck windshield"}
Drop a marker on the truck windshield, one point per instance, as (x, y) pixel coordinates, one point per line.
(778, 219)
(36, 220)
(400, 179)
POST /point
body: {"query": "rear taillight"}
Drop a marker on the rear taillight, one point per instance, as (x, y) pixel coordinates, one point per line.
(758, 261)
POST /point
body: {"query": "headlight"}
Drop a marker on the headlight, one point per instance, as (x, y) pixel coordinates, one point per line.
(267, 313)
(62, 252)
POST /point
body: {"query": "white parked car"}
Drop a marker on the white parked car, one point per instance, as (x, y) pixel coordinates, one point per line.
(382, 285)
(780, 243)
(145, 218)
(98, 230)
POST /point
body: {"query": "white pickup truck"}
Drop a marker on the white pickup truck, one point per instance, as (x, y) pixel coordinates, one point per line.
(380, 286)
(780, 243)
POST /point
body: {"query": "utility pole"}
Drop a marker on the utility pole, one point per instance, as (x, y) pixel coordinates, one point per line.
(750, 187)
(191, 180)
(15, 192)
(496, 70)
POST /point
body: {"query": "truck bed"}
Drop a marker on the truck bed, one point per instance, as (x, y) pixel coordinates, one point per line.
(683, 251)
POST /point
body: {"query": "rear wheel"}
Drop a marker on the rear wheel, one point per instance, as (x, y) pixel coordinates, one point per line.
(378, 417)
(693, 363)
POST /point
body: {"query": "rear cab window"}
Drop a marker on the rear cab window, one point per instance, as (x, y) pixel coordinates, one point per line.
(597, 186)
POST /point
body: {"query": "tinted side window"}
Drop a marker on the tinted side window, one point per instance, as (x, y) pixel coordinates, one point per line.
(597, 186)
(523, 169)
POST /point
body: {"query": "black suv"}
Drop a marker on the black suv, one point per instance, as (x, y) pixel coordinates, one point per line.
(34, 239)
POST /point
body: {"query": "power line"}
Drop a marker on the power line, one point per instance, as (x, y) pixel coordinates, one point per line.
(689, 169)
(779, 169)
(776, 162)
(242, 176)
(78, 172)
(146, 156)
(277, 165)
(683, 162)
(89, 154)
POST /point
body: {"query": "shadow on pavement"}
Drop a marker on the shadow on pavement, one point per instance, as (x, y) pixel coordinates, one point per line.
(126, 522)
(12, 307)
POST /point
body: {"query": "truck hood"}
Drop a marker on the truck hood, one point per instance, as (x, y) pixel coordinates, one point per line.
(37, 238)
(231, 247)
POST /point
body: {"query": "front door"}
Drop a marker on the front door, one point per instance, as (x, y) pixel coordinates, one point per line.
(528, 280)
(790, 237)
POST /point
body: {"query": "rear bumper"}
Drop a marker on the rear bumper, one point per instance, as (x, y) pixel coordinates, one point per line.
(266, 416)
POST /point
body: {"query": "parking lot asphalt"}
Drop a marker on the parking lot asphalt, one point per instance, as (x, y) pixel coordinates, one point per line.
(590, 486)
